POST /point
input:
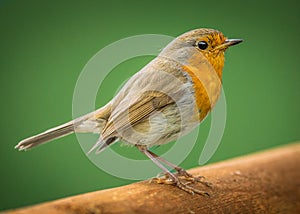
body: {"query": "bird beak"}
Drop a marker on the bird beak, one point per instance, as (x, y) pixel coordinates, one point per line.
(231, 42)
(228, 43)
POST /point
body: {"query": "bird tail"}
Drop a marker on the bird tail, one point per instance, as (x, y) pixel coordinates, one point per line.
(46, 136)
(92, 122)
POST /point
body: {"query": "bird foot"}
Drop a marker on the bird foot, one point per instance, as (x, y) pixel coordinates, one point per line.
(188, 177)
(176, 180)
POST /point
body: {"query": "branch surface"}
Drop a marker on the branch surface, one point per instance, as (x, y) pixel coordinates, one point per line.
(265, 182)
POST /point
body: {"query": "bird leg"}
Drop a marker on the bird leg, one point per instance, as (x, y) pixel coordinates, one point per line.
(170, 178)
(182, 173)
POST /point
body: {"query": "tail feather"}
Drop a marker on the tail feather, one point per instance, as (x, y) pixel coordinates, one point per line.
(46, 136)
(92, 122)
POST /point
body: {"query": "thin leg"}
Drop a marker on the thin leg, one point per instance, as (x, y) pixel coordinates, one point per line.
(171, 175)
(171, 178)
(181, 172)
(173, 166)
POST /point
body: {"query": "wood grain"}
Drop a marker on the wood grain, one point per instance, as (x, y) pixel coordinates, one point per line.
(265, 182)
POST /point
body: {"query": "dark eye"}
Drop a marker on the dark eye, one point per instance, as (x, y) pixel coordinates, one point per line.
(202, 45)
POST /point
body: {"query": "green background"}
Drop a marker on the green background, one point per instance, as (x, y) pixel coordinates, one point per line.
(44, 45)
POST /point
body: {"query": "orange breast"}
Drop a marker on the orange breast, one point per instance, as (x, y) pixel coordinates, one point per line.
(206, 82)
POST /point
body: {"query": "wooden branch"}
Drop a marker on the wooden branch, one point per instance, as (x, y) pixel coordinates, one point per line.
(266, 182)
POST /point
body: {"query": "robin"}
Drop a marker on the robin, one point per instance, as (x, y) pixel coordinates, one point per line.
(163, 101)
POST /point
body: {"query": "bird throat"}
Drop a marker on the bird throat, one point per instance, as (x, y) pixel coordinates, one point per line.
(206, 75)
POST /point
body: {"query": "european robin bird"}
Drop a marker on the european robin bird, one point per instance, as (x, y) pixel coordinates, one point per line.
(163, 101)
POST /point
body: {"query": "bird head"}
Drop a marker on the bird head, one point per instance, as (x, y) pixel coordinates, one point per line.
(200, 45)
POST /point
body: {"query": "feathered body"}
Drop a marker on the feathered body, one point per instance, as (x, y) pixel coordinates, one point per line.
(166, 99)
(163, 101)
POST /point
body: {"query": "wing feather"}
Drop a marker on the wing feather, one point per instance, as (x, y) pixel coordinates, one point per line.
(148, 103)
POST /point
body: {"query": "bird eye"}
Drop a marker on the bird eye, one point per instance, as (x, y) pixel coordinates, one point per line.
(202, 45)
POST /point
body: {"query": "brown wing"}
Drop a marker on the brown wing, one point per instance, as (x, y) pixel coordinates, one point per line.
(148, 103)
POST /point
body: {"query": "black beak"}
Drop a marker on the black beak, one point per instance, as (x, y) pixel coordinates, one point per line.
(228, 43)
(231, 42)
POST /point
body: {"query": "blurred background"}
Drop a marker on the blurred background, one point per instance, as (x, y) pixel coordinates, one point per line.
(44, 45)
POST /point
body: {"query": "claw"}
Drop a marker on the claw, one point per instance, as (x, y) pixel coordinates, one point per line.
(175, 179)
(189, 189)
(187, 176)
(163, 180)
